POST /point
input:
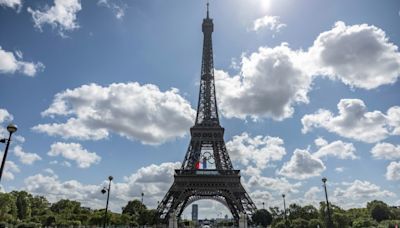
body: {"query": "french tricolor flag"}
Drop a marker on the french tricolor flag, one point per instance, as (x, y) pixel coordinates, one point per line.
(201, 165)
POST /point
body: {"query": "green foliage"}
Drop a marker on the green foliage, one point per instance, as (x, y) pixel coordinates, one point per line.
(23, 203)
(8, 207)
(134, 207)
(299, 223)
(364, 222)
(378, 210)
(315, 223)
(280, 224)
(262, 217)
(341, 219)
(389, 224)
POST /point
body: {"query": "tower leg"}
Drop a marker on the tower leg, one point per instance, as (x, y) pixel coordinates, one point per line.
(173, 221)
(243, 221)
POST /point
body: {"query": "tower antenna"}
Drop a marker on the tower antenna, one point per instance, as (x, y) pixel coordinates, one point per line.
(208, 4)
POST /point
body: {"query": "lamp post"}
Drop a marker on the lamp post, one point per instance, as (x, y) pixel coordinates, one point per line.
(329, 222)
(11, 128)
(142, 197)
(284, 208)
(104, 190)
(263, 205)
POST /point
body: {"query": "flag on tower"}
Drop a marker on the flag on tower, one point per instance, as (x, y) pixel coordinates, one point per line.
(199, 165)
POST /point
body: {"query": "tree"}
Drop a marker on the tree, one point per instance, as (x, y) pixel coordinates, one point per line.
(300, 223)
(134, 207)
(262, 217)
(8, 208)
(23, 204)
(378, 210)
(364, 222)
(341, 219)
(147, 217)
(39, 206)
(309, 212)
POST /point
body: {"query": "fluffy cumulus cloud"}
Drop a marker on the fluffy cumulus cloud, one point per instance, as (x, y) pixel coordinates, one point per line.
(10, 168)
(153, 180)
(25, 157)
(336, 149)
(386, 151)
(260, 197)
(313, 195)
(16, 4)
(117, 7)
(355, 121)
(361, 190)
(359, 55)
(272, 80)
(74, 152)
(270, 22)
(278, 185)
(393, 171)
(258, 150)
(302, 165)
(61, 15)
(134, 111)
(5, 115)
(269, 84)
(10, 64)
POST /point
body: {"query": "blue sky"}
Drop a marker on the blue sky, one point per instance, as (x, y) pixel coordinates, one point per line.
(109, 87)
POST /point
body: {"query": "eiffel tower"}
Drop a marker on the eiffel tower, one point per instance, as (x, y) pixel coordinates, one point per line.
(207, 145)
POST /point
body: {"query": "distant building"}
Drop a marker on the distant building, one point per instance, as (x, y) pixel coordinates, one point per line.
(195, 212)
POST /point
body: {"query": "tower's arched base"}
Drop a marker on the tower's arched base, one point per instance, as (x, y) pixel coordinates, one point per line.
(220, 185)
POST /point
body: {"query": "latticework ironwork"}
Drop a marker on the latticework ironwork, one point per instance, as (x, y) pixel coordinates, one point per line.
(222, 182)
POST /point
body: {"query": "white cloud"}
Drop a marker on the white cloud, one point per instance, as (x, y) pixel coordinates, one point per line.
(11, 3)
(313, 195)
(269, 84)
(5, 115)
(10, 168)
(153, 181)
(386, 151)
(337, 149)
(358, 55)
(61, 15)
(354, 121)
(260, 197)
(393, 171)
(270, 22)
(302, 165)
(10, 65)
(117, 8)
(24, 157)
(75, 152)
(272, 80)
(134, 111)
(339, 169)
(320, 142)
(361, 190)
(258, 150)
(280, 185)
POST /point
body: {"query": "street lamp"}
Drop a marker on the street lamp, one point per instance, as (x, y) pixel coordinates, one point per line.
(142, 197)
(329, 222)
(11, 128)
(284, 208)
(263, 205)
(104, 190)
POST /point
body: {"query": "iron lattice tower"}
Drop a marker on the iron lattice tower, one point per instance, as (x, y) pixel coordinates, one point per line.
(222, 182)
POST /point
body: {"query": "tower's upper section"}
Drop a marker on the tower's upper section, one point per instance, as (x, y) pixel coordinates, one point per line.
(207, 111)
